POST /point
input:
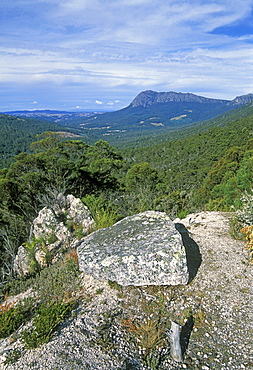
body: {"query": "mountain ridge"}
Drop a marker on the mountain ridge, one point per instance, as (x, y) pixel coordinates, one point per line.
(150, 110)
(149, 97)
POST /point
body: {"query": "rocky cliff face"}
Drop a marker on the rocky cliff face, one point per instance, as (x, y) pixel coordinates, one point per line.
(240, 100)
(149, 97)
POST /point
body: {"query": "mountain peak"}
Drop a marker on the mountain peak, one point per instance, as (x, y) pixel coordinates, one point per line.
(149, 97)
(241, 100)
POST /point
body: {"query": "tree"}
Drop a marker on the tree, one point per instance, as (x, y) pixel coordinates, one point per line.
(141, 175)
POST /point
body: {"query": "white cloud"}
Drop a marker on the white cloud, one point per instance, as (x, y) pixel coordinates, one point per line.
(119, 47)
(147, 21)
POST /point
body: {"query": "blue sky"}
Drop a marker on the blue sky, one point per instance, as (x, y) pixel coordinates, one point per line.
(99, 54)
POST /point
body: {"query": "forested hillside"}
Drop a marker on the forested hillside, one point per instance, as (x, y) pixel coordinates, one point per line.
(184, 163)
(208, 169)
(162, 135)
(18, 133)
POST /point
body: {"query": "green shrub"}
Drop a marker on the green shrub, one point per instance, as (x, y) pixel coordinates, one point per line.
(54, 284)
(245, 214)
(12, 356)
(234, 229)
(45, 322)
(16, 286)
(102, 212)
(114, 285)
(58, 282)
(11, 320)
(52, 238)
(182, 214)
(248, 237)
(30, 247)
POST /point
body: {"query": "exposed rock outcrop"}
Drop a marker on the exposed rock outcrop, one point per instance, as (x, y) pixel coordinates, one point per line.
(54, 231)
(149, 97)
(100, 335)
(144, 249)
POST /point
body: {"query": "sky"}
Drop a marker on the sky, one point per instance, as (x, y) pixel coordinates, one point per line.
(99, 54)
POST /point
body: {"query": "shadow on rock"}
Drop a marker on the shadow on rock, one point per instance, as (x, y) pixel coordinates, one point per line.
(193, 254)
(185, 334)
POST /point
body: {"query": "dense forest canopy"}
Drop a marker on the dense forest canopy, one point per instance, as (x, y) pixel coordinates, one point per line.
(17, 134)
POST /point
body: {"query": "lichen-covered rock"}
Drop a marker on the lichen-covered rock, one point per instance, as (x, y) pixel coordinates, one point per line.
(144, 249)
(22, 262)
(48, 223)
(79, 213)
(67, 214)
(54, 231)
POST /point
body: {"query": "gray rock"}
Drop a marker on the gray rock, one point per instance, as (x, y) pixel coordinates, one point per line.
(59, 219)
(144, 249)
(21, 263)
(54, 231)
(47, 224)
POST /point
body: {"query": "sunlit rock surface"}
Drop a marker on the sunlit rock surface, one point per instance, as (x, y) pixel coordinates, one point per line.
(144, 249)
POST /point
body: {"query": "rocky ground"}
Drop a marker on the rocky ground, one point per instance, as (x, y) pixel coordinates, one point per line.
(128, 328)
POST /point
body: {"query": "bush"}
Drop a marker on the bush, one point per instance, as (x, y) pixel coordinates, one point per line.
(12, 356)
(12, 319)
(54, 285)
(245, 214)
(102, 212)
(47, 318)
(58, 282)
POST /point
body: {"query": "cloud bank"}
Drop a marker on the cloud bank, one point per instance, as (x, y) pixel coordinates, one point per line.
(69, 53)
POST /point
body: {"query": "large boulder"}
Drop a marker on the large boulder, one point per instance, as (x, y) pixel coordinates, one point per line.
(144, 249)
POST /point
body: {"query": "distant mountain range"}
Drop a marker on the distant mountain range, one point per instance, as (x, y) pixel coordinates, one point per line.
(151, 117)
(150, 114)
(148, 111)
(151, 109)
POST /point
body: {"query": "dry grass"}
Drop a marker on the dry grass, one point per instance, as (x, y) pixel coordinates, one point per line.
(148, 334)
(248, 232)
(72, 255)
(5, 306)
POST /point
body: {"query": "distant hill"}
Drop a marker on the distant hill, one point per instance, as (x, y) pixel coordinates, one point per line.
(150, 114)
(18, 133)
(141, 138)
(184, 157)
(144, 122)
(62, 117)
